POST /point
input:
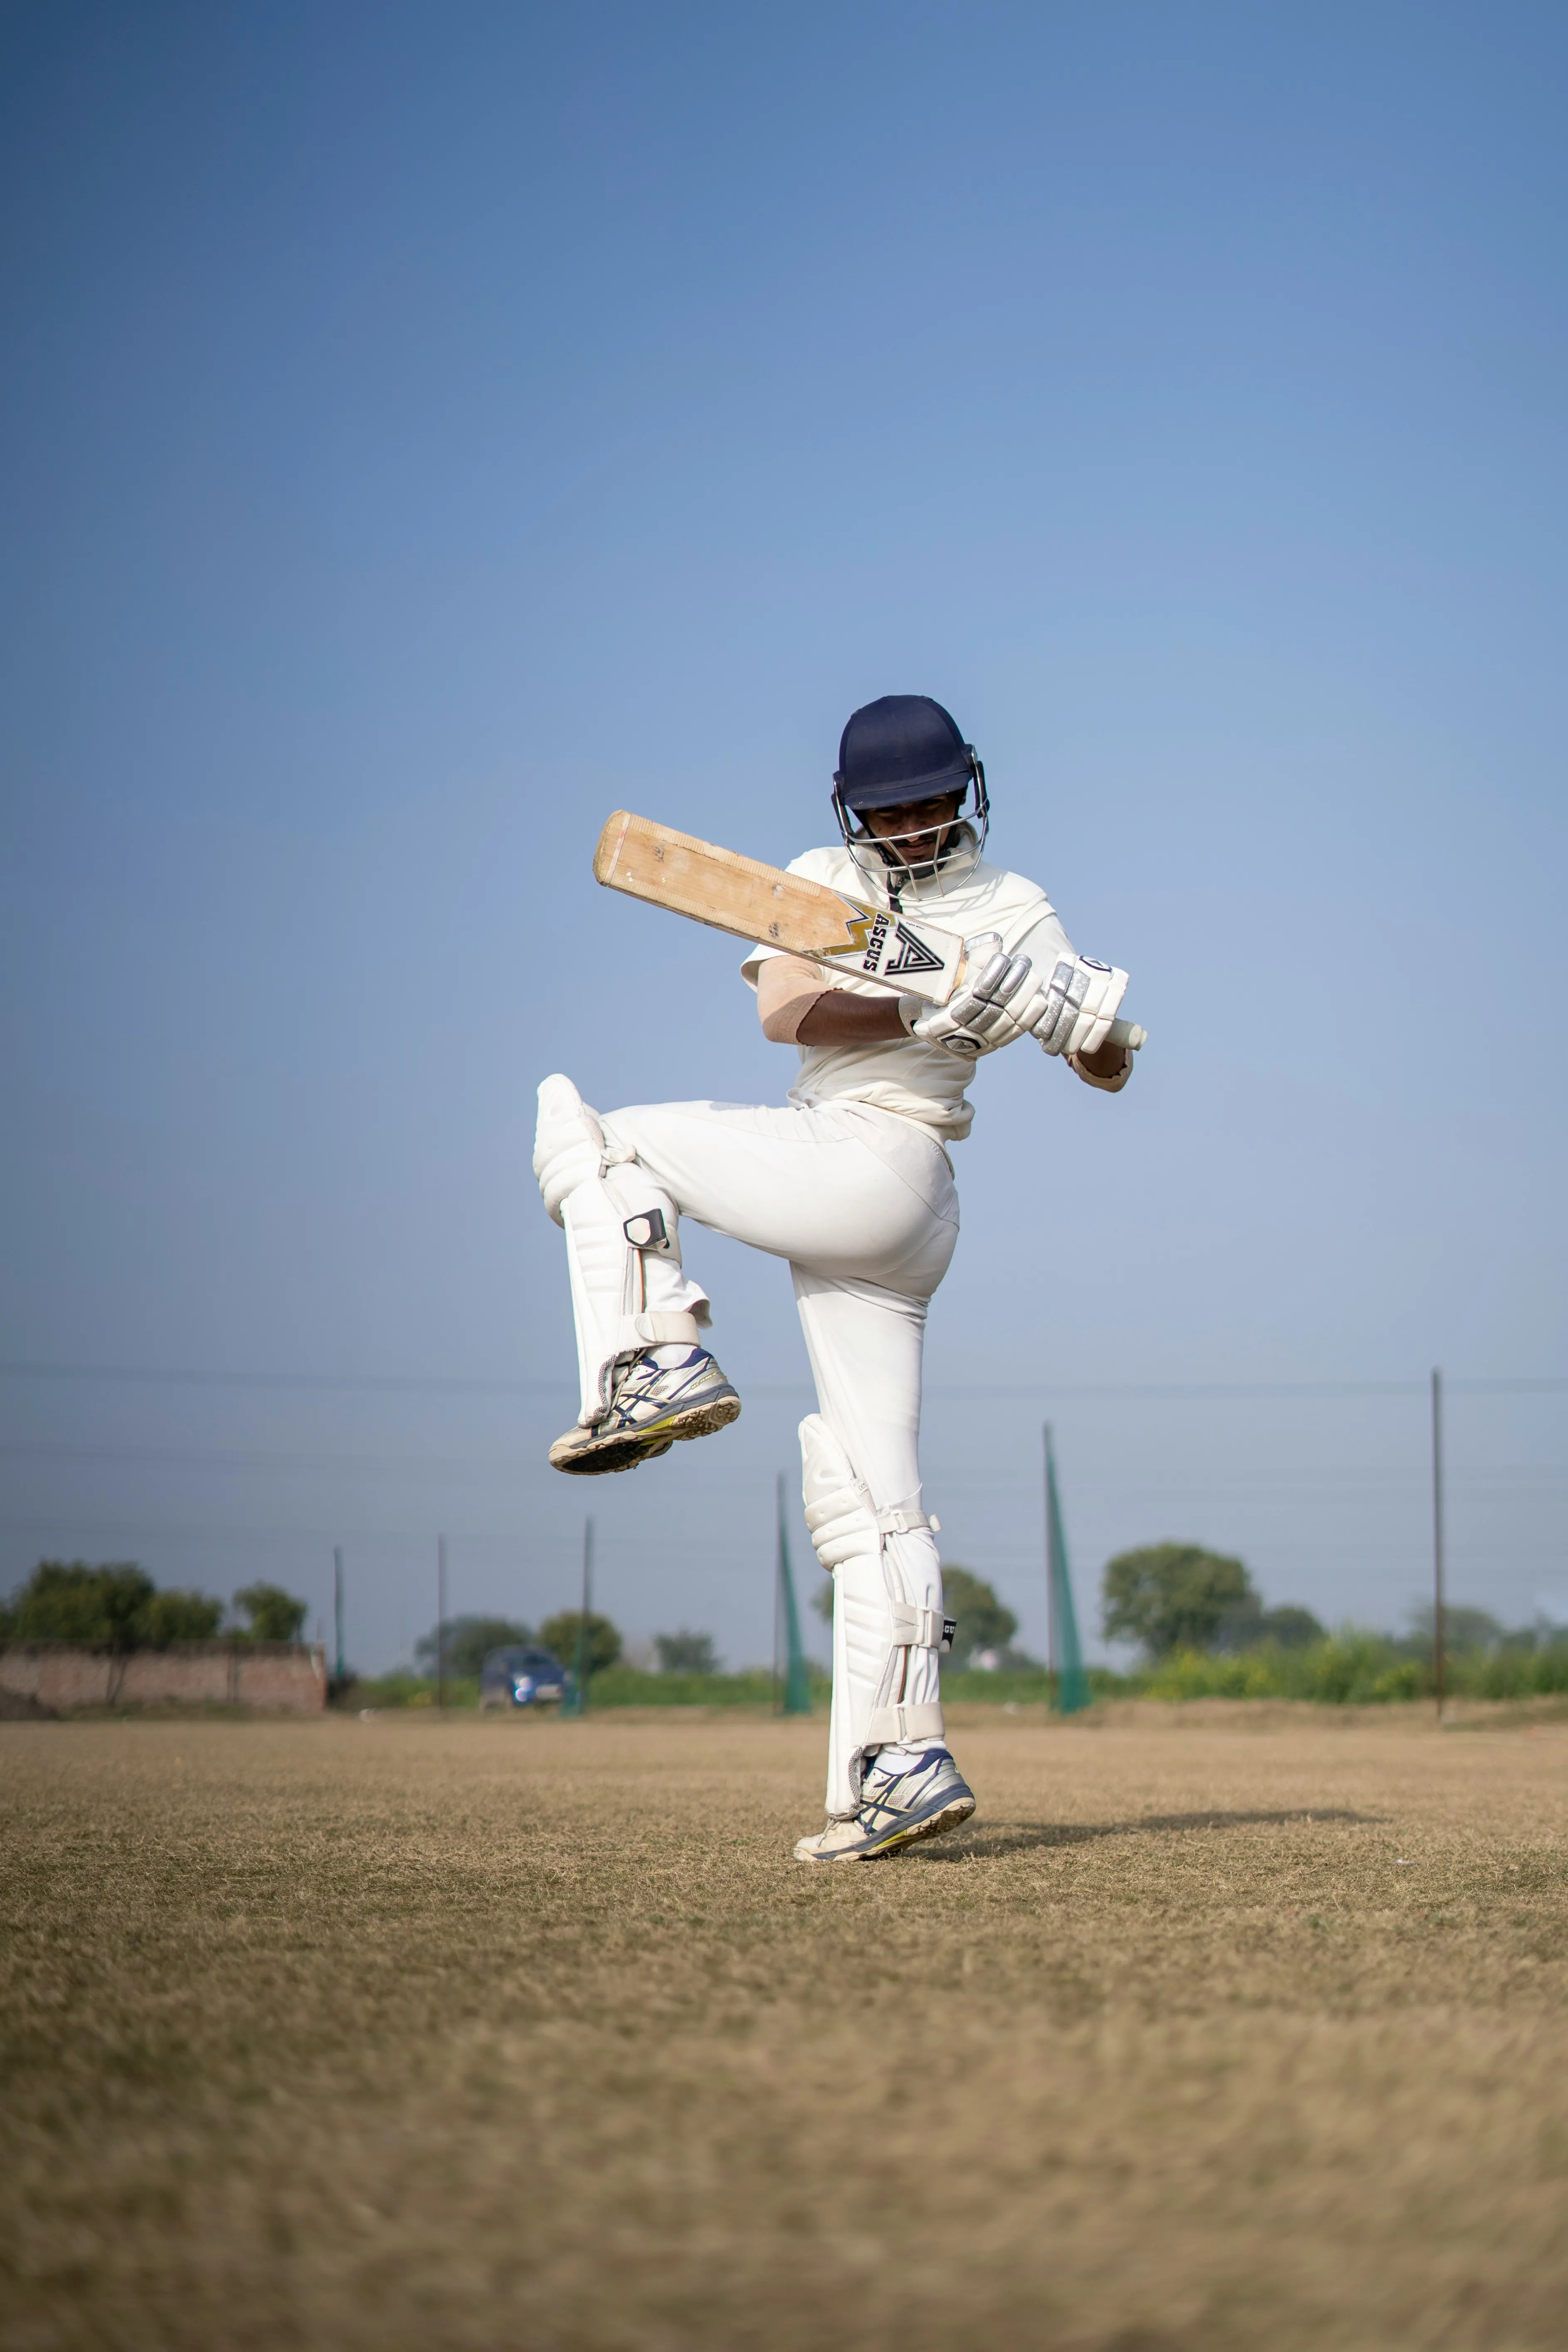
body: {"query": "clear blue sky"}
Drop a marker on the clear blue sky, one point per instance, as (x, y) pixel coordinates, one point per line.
(426, 429)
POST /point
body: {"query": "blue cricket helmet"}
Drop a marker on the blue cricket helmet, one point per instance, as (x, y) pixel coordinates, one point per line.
(903, 747)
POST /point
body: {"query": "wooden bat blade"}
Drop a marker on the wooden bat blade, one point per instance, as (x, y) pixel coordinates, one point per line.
(753, 902)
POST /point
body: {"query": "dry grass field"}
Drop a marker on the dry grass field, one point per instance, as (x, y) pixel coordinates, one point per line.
(1216, 2030)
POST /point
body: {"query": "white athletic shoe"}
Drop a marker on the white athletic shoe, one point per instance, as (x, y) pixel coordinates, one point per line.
(896, 1808)
(654, 1405)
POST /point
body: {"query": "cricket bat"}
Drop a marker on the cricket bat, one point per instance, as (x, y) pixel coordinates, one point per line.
(753, 902)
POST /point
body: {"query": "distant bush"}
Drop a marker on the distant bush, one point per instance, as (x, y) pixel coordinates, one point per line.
(623, 1686)
(1355, 1667)
(686, 1654)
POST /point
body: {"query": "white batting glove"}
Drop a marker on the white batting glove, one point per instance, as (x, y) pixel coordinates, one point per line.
(1077, 1006)
(978, 1019)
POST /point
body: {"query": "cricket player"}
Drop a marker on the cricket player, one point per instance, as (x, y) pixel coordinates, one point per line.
(852, 1184)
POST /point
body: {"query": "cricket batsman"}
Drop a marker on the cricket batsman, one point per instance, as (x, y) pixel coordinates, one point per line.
(852, 1184)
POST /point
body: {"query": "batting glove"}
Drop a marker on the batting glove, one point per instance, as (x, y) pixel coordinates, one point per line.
(978, 1019)
(1077, 1006)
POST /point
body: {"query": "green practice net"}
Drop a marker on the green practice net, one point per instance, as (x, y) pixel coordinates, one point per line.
(1072, 1690)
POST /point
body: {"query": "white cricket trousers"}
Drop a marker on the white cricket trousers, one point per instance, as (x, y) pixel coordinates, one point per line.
(863, 1206)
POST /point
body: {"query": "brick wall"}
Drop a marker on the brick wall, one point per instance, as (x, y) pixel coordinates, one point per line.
(286, 1677)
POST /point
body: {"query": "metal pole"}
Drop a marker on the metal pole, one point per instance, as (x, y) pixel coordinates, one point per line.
(441, 1623)
(1439, 1654)
(338, 1601)
(778, 1582)
(1051, 1569)
(583, 1620)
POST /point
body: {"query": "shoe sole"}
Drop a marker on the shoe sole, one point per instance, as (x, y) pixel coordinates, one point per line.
(625, 1452)
(947, 1816)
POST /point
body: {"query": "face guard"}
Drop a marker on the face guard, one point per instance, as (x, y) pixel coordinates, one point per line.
(942, 853)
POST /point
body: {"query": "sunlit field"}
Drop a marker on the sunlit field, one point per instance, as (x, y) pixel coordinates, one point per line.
(1219, 2029)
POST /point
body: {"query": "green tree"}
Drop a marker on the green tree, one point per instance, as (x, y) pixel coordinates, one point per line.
(275, 1615)
(1293, 1628)
(1174, 1596)
(686, 1654)
(559, 1636)
(72, 1602)
(1463, 1629)
(469, 1641)
(168, 1617)
(116, 1606)
(1248, 1625)
(983, 1621)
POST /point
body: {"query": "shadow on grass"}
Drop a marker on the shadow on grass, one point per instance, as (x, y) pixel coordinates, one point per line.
(991, 1838)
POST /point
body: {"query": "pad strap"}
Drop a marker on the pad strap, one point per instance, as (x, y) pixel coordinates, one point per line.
(921, 1629)
(892, 1726)
(661, 1331)
(900, 1523)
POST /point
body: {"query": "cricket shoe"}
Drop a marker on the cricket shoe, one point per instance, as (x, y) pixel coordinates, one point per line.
(655, 1403)
(896, 1808)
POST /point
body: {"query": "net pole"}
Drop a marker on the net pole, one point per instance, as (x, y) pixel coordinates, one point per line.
(338, 1604)
(1072, 1688)
(441, 1623)
(1055, 1686)
(778, 1587)
(1439, 1646)
(583, 1620)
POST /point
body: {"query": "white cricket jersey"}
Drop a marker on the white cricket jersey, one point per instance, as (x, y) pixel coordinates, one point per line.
(917, 1081)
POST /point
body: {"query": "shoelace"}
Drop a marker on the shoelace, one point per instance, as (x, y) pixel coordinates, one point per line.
(653, 1397)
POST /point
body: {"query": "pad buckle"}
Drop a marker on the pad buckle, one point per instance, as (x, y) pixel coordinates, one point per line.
(949, 1632)
(648, 1232)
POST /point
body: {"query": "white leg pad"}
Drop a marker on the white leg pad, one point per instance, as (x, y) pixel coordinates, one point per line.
(624, 1299)
(888, 1622)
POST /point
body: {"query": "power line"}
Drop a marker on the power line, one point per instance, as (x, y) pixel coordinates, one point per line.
(465, 1384)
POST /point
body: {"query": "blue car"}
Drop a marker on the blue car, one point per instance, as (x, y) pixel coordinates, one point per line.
(521, 1677)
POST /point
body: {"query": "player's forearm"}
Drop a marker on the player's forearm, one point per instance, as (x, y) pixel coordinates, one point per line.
(797, 1005)
(838, 1018)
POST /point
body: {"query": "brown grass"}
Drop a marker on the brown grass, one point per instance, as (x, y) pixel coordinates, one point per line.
(1207, 2036)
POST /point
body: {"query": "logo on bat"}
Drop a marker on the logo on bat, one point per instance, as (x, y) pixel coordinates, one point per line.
(913, 955)
(872, 932)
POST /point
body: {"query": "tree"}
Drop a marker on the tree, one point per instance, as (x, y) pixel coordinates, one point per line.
(1463, 1629)
(1248, 1626)
(469, 1641)
(178, 1617)
(983, 1622)
(116, 1606)
(275, 1615)
(1293, 1628)
(686, 1654)
(71, 1601)
(1174, 1596)
(559, 1636)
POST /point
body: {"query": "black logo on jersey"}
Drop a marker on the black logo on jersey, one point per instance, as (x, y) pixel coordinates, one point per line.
(913, 955)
